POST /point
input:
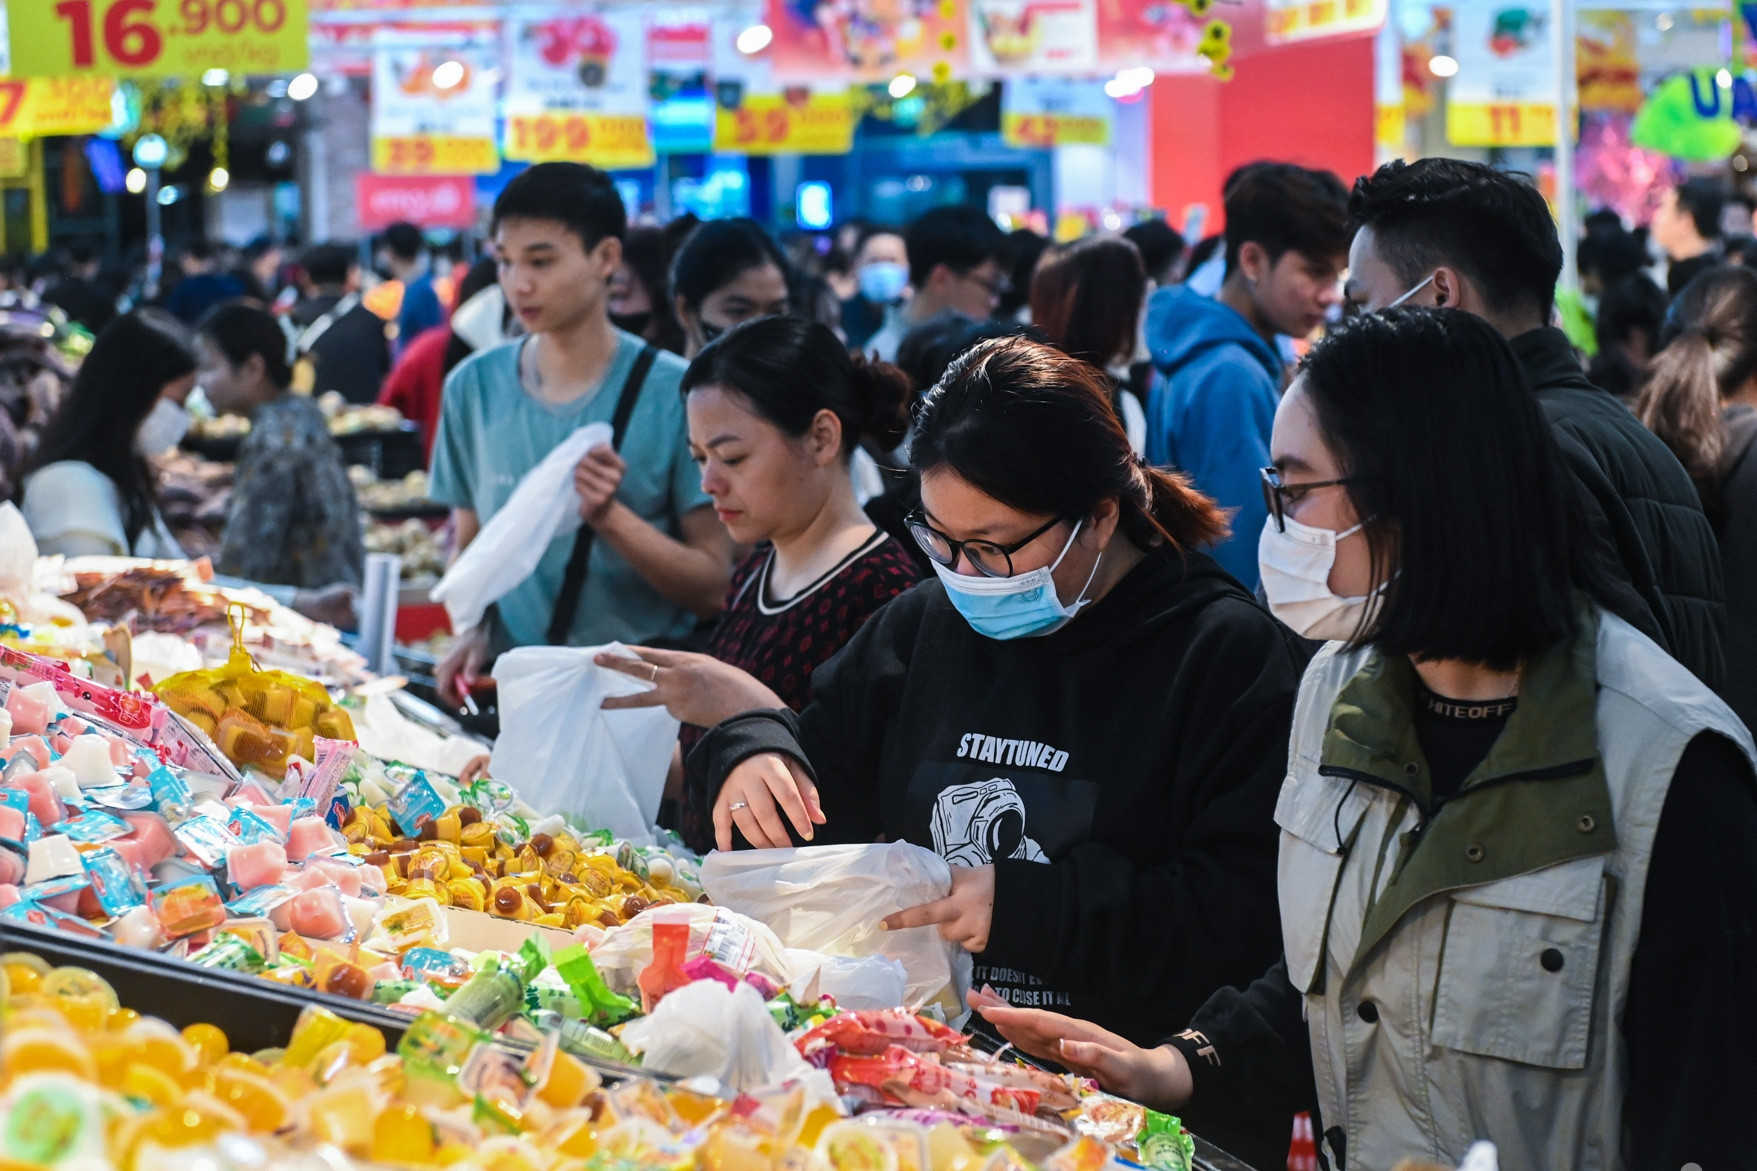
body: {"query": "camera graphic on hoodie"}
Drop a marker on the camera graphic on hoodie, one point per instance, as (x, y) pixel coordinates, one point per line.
(974, 824)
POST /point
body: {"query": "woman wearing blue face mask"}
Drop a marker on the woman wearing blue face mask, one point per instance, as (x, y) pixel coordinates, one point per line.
(1085, 715)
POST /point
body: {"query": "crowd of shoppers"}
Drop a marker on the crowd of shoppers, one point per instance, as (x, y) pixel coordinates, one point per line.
(1325, 657)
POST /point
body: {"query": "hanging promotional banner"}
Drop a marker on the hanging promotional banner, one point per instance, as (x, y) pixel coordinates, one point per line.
(1285, 21)
(1053, 111)
(577, 89)
(428, 201)
(156, 38)
(1166, 38)
(868, 43)
(432, 105)
(1605, 62)
(345, 46)
(1010, 37)
(755, 114)
(1504, 93)
(1390, 114)
(56, 105)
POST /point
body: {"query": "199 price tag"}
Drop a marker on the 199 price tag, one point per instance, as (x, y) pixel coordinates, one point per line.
(157, 38)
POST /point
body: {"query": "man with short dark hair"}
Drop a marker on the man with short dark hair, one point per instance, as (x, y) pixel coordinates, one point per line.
(958, 261)
(1441, 232)
(344, 344)
(1687, 224)
(80, 293)
(652, 556)
(1161, 248)
(401, 251)
(203, 285)
(1217, 371)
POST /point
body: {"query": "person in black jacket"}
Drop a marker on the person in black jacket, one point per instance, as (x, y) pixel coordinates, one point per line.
(1442, 232)
(1084, 715)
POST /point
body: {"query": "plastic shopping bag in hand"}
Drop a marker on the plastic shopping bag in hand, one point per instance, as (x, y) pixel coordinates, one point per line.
(543, 507)
(563, 752)
(831, 899)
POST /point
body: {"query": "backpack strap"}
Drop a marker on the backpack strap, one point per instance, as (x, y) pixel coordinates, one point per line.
(573, 581)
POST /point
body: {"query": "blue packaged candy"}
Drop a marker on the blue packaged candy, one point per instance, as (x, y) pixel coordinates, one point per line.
(415, 804)
(54, 888)
(251, 827)
(260, 902)
(168, 789)
(93, 825)
(130, 798)
(336, 815)
(207, 839)
(16, 799)
(302, 807)
(37, 915)
(33, 829)
(117, 885)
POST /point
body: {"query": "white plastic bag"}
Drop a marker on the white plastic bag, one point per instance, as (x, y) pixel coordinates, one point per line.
(563, 752)
(831, 899)
(707, 1029)
(867, 982)
(740, 944)
(543, 507)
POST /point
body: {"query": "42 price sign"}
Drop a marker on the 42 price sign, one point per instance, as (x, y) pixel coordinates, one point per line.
(157, 38)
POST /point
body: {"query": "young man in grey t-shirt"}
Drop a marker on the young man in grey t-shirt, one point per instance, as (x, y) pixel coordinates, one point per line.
(659, 557)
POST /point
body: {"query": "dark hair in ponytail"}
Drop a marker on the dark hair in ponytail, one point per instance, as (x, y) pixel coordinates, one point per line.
(1710, 351)
(238, 330)
(790, 369)
(1033, 428)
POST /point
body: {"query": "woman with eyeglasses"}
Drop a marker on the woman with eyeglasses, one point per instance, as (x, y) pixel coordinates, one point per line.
(1518, 860)
(1084, 715)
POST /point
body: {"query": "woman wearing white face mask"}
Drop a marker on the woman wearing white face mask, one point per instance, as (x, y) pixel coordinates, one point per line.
(1084, 715)
(1518, 862)
(91, 490)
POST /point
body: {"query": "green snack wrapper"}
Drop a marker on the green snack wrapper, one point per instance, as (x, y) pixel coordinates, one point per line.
(488, 999)
(1164, 1144)
(598, 1004)
(229, 953)
(582, 1040)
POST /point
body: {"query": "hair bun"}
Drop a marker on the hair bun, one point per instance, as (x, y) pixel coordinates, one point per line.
(887, 393)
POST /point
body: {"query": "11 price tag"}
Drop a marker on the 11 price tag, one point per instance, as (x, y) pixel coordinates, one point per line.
(157, 38)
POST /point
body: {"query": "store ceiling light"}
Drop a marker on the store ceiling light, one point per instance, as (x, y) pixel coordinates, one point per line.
(754, 39)
(1443, 66)
(168, 196)
(215, 77)
(902, 85)
(1724, 79)
(302, 87)
(218, 179)
(135, 181)
(1663, 22)
(1128, 83)
(448, 75)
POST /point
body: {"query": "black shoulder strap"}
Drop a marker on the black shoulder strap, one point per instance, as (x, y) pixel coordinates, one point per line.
(573, 581)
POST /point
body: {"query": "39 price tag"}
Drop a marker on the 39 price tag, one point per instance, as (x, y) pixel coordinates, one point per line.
(771, 124)
(434, 154)
(157, 38)
(611, 141)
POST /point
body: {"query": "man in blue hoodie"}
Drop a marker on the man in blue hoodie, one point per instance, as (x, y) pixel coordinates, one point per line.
(1218, 374)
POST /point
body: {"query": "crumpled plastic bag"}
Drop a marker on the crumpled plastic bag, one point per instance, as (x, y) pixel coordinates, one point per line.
(831, 899)
(18, 567)
(543, 507)
(736, 942)
(562, 751)
(705, 1029)
(874, 982)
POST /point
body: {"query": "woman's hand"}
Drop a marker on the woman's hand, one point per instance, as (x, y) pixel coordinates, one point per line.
(474, 769)
(333, 604)
(963, 916)
(754, 796)
(462, 667)
(1158, 1077)
(696, 689)
(596, 478)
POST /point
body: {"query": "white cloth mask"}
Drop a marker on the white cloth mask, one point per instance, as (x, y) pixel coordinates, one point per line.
(163, 428)
(1296, 565)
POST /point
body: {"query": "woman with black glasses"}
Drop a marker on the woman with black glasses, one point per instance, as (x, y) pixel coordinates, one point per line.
(1518, 857)
(1087, 717)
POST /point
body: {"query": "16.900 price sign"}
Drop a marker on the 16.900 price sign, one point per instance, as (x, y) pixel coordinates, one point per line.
(157, 38)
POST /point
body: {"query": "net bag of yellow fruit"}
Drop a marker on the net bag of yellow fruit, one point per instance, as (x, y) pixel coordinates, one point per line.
(258, 718)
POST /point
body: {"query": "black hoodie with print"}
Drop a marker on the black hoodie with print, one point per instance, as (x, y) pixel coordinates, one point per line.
(1120, 773)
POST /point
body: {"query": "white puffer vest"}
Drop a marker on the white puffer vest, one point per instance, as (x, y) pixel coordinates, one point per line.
(1467, 982)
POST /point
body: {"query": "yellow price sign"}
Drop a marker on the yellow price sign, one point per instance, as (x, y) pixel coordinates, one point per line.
(157, 38)
(611, 141)
(1046, 130)
(762, 124)
(55, 105)
(1501, 124)
(434, 154)
(14, 159)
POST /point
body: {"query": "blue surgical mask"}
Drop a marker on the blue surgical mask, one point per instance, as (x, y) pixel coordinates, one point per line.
(882, 281)
(1022, 606)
